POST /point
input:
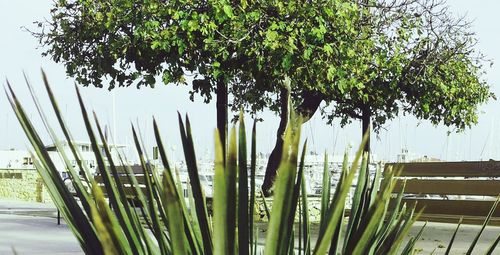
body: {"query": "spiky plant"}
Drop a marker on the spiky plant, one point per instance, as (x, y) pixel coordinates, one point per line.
(166, 224)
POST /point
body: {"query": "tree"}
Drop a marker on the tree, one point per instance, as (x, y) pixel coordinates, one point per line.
(226, 46)
(424, 63)
(418, 60)
(126, 42)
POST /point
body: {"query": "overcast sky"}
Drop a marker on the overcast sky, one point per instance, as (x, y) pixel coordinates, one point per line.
(18, 53)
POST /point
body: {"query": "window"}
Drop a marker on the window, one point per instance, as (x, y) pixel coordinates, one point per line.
(64, 175)
(85, 148)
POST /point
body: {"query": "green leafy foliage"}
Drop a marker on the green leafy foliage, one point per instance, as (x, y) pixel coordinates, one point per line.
(422, 62)
(251, 45)
(106, 222)
(362, 57)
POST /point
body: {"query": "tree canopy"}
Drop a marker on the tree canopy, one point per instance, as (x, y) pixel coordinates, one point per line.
(417, 58)
(423, 63)
(251, 42)
(245, 48)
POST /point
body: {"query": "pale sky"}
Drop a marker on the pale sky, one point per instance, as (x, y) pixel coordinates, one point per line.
(18, 53)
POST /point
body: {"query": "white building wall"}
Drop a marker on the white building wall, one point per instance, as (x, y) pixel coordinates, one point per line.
(16, 159)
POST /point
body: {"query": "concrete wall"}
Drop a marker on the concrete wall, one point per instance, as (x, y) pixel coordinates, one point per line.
(314, 207)
(22, 184)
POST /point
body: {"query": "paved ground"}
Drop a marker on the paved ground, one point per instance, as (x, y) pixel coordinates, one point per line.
(30, 228)
(436, 236)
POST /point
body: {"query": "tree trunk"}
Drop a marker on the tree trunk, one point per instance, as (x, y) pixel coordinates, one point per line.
(221, 106)
(306, 110)
(275, 157)
(366, 121)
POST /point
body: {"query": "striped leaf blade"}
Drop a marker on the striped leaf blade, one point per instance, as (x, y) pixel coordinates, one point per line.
(253, 166)
(171, 201)
(243, 207)
(276, 240)
(337, 207)
(220, 200)
(200, 204)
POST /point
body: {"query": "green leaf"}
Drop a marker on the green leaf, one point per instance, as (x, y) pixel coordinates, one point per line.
(171, 201)
(271, 35)
(357, 209)
(243, 207)
(351, 53)
(337, 207)
(228, 10)
(277, 239)
(287, 62)
(325, 194)
(328, 49)
(220, 200)
(199, 197)
(253, 166)
(331, 73)
(305, 218)
(307, 53)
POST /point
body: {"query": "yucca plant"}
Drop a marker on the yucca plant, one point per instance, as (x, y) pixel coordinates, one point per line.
(165, 223)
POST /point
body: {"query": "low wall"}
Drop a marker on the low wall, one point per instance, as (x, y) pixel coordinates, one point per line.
(314, 207)
(23, 184)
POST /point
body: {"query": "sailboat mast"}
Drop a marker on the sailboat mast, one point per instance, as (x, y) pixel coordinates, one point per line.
(114, 117)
